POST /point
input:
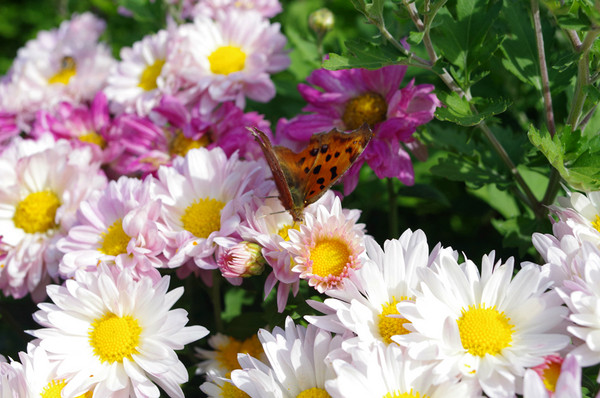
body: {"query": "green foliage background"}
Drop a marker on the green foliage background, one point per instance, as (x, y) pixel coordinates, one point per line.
(465, 195)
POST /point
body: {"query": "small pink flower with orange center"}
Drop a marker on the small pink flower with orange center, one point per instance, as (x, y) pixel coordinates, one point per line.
(328, 245)
(557, 377)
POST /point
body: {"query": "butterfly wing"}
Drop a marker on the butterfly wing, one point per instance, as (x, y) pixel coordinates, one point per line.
(281, 182)
(322, 163)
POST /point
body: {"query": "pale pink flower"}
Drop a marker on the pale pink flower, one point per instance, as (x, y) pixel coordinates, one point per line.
(118, 226)
(242, 260)
(555, 378)
(211, 8)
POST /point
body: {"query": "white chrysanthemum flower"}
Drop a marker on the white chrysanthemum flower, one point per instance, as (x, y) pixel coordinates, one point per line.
(138, 81)
(223, 358)
(124, 331)
(585, 206)
(328, 245)
(202, 194)
(42, 185)
(233, 56)
(483, 327)
(377, 370)
(297, 363)
(64, 64)
(371, 293)
(583, 299)
(119, 226)
(221, 387)
(35, 376)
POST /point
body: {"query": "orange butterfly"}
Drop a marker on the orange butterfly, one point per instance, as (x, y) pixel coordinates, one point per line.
(302, 178)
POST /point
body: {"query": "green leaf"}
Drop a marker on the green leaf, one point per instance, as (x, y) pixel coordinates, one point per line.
(457, 168)
(464, 39)
(458, 109)
(234, 300)
(517, 231)
(415, 38)
(364, 54)
(575, 157)
(519, 47)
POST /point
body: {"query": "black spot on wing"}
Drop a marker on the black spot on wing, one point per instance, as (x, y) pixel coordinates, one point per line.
(314, 152)
(320, 180)
(324, 148)
(349, 149)
(328, 157)
(311, 192)
(322, 187)
(337, 155)
(306, 170)
(301, 161)
(333, 171)
(317, 170)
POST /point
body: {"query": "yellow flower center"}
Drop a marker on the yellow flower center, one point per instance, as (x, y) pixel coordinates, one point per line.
(37, 212)
(551, 374)
(391, 326)
(596, 223)
(115, 240)
(93, 138)
(228, 390)
(484, 330)
(329, 257)
(411, 394)
(369, 108)
(55, 387)
(227, 355)
(150, 75)
(68, 69)
(227, 59)
(180, 144)
(114, 338)
(203, 217)
(283, 231)
(314, 392)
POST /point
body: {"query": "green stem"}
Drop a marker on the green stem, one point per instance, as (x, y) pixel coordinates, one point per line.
(393, 202)
(583, 78)
(215, 295)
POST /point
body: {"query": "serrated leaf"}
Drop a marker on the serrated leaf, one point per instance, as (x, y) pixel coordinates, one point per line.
(519, 46)
(415, 38)
(517, 231)
(363, 54)
(464, 40)
(457, 168)
(458, 109)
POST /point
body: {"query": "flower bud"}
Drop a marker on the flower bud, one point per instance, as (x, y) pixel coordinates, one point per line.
(321, 21)
(242, 260)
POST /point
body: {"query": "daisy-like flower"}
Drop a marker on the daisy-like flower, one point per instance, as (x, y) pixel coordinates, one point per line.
(9, 112)
(483, 328)
(377, 370)
(583, 299)
(123, 330)
(35, 376)
(118, 226)
(297, 363)
(345, 99)
(242, 260)
(43, 183)
(202, 195)
(371, 293)
(172, 130)
(64, 64)
(232, 56)
(555, 378)
(327, 246)
(82, 126)
(211, 8)
(223, 358)
(137, 83)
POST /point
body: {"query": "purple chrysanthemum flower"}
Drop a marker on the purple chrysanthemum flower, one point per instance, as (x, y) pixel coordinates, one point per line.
(345, 99)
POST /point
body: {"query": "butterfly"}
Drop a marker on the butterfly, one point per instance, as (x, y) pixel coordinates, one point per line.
(302, 178)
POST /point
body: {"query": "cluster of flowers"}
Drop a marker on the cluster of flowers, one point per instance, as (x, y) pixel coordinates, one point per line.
(112, 170)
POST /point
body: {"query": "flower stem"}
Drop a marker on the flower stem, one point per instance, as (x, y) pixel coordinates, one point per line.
(539, 38)
(583, 78)
(393, 202)
(215, 295)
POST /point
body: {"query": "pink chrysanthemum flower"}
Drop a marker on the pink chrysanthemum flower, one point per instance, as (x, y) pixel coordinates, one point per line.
(117, 226)
(82, 126)
(137, 83)
(202, 195)
(233, 56)
(172, 130)
(345, 99)
(555, 378)
(42, 185)
(9, 122)
(64, 64)
(211, 8)
(327, 246)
